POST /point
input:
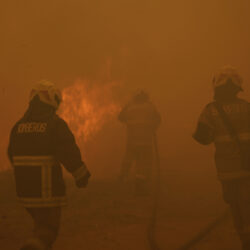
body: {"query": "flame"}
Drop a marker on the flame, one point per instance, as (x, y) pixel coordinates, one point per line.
(87, 106)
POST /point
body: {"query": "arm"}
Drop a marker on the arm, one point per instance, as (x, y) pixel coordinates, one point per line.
(122, 117)
(204, 133)
(68, 154)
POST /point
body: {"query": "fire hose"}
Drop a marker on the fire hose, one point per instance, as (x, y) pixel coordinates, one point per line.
(156, 193)
(204, 232)
(153, 219)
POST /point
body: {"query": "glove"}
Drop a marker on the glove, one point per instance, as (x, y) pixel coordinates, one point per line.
(83, 181)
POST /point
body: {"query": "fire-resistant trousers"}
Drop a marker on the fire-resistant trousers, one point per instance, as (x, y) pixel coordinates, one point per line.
(142, 156)
(46, 224)
(237, 194)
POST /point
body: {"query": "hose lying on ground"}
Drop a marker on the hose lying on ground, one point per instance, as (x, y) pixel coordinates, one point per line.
(203, 233)
(152, 224)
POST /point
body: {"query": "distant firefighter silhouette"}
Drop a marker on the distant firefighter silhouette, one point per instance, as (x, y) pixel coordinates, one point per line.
(142, 120)
(39, 143)
(226, 123)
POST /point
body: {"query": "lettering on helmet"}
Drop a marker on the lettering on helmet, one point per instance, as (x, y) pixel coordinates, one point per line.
(32, 127)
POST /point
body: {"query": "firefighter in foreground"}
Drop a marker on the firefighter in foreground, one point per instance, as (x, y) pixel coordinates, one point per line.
(226, 123)
(39, 143)
(142, 120)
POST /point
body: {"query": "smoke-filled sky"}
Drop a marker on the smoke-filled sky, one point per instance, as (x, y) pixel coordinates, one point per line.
(171, 48)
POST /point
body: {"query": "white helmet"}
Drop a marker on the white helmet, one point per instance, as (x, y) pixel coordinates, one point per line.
(47, 93)
(227, 73)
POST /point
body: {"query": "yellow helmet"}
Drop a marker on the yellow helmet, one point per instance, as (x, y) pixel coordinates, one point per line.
(47, 93)
(227, 73)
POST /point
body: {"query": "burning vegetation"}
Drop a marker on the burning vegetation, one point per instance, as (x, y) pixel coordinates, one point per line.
(88, 106)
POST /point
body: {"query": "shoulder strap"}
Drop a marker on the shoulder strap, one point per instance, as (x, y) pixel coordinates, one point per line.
(228, 124)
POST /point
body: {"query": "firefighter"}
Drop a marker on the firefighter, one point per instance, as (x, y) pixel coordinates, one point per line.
(141, 119)
(40, 142)
(226, 123)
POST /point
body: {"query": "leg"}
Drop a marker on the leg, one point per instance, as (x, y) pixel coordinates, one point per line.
(127, 163)
(144, 162)
(46, 224)
(240, 207)
(244, 210)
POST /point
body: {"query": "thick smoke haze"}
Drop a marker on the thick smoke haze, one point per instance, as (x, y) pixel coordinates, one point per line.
(170, 48)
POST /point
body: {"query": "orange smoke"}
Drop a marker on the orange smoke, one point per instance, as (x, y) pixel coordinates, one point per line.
(87, 106)
(4, 163)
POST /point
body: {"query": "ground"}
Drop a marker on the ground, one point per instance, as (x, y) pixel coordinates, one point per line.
(107, 216)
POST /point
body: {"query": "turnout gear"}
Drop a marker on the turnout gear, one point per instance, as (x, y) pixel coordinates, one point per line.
(226, 123)
(47, 93)
(40, 142)
(236, 194)
(141, 119)
(211, 128)
(143, 158)
(46, 225)
(225, 75)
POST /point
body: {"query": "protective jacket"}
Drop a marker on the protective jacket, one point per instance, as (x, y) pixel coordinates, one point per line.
(211, 128)
(141, 119)
(39, 143)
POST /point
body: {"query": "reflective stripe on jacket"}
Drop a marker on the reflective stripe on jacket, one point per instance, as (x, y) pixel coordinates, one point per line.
(40, 193)
(211, 128)
(39, 145)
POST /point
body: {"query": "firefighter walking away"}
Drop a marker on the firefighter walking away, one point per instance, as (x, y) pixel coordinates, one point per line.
(40, 142)
(142, 120)
(226, 123)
